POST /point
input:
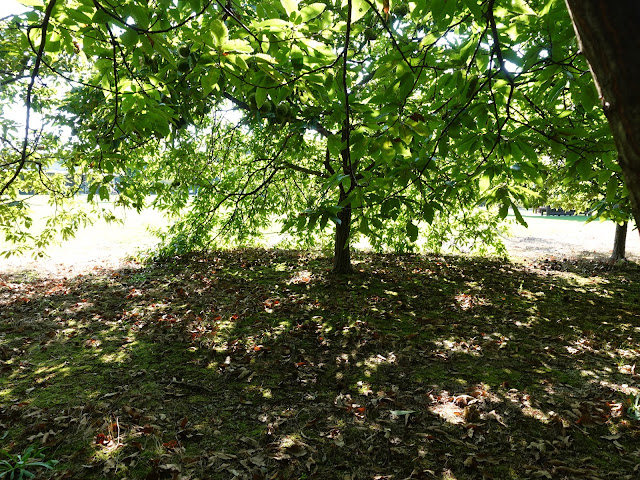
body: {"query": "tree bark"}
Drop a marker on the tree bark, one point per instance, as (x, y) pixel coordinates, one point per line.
(620, 242)
(608, 34)
(342, 252)
(342, 249)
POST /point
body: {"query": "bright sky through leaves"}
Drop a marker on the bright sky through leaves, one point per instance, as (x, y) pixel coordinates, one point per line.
(10, 7)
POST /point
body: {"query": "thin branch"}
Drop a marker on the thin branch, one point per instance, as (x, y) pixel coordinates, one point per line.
(388, 30)
(496, 43)
(308, 171)
(347, 167)
(34, 75)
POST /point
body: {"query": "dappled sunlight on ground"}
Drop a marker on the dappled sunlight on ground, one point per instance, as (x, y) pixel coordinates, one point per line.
(417, 367)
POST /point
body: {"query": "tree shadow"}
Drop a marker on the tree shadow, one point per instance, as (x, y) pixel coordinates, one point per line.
(262, 364)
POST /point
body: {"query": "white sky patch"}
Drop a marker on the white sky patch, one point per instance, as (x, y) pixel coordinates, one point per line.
(11, 7)
(16, 111)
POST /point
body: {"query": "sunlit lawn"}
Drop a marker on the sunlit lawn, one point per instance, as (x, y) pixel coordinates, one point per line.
(117, 240)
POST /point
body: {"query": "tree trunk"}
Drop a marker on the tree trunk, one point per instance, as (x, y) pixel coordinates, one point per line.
(342, 249)
(608, 36)
(620, 243)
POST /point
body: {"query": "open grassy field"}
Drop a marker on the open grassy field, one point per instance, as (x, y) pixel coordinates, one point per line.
(567, 237)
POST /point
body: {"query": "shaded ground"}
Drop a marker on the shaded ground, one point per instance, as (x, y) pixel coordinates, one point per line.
(262, 365)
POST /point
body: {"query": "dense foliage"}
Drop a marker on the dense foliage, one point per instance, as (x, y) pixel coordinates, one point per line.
(375, 117)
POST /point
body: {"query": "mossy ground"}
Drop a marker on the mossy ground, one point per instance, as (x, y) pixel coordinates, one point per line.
(261, 364)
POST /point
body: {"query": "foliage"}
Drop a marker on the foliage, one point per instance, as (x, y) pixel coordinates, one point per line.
(633, 408)
(353, 114)
(19, 466)
(30, 167)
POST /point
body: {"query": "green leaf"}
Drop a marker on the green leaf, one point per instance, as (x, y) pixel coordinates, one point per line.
(129, 38)
(31, 3)
(504, 208)
(439, 12)
(412, 231)
(584, 169)
(612, 188)
(518, 215)
(359, 8)
(140, 15)
(261, 96)
(103, 192)
(53, 43)
(443, 147)
(312, 11)
(405, 86)
(274, 25)
(555, 92)
(324, 219)
(237, 45)
(220, 33)
(162, 50)
(428, 213)
(78, 16)
(485, 182)
(476, 9)
(289, 6)
(521, 6)
(547, 8)
(401, 413)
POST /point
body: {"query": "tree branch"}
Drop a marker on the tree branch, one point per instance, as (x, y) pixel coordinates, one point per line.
(34, 75)
(308, 171)
(347, 167)
(496, 42)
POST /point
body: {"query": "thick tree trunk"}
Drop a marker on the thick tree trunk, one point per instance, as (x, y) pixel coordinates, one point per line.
(608, 34)
(342, 249)
(620, 243)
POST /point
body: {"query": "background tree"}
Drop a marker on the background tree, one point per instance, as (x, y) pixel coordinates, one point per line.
(30, 150)
(610, 43)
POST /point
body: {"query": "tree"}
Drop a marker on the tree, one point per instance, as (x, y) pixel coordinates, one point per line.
(606, 31)
(620, 242)
(379, 116)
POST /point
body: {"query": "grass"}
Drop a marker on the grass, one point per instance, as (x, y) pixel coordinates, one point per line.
(261, 364)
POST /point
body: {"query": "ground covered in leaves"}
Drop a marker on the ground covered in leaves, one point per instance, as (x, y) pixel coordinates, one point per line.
(261, 364)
